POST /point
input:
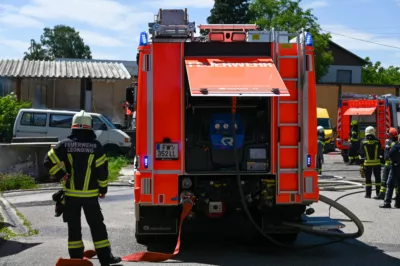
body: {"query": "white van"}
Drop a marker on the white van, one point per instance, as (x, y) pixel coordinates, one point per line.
(57, 123)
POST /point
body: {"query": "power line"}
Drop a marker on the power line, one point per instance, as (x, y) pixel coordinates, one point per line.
(381, 44)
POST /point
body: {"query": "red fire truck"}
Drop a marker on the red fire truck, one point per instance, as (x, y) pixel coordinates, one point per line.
(228, 119)
(381, 112)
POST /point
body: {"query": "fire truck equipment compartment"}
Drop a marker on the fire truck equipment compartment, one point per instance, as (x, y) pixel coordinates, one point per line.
(360, 111)
(234, 77)
(209, 144)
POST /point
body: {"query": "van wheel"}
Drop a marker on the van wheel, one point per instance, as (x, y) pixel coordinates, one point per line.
(112, 151)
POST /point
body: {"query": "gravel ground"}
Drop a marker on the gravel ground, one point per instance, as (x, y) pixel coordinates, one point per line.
(379, 245)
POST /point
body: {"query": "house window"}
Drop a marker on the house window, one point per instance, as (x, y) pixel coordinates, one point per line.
(61, 121)
(344, 76)
(34, 119)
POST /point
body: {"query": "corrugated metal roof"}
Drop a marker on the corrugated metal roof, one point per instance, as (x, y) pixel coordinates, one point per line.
(63, 69)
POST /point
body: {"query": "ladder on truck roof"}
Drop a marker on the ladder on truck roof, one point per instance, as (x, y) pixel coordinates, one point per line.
(284, 171)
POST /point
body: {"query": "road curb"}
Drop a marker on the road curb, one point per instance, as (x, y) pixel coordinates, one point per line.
(10, 216)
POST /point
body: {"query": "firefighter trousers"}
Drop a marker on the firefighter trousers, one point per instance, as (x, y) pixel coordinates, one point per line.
(353, 151)
(385, 177)
(319, 164)
(369, 170)
(393, 183)
(95, 220)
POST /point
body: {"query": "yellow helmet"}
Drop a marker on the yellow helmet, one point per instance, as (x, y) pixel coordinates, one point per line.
(354, 122)
(82, 120)
(369, 131)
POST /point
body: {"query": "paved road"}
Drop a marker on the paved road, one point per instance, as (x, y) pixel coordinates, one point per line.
(380, 245)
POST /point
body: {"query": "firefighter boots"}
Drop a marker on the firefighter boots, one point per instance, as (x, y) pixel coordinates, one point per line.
(385, 205)
(109, 260)
(381, 196)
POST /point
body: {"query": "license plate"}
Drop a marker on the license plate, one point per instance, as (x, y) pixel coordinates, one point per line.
(166, 151)
(255, 37)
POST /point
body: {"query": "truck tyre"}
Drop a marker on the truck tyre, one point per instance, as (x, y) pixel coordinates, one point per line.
(143, 239)
(345, 158)
(289, 238)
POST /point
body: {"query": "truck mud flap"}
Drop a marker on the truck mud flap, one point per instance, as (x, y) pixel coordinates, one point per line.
(154, 226)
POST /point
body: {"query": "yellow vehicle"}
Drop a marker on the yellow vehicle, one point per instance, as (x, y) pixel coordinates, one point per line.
(324, 120)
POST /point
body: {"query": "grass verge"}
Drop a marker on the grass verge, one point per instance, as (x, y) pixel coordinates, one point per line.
(115, 165)
(7, 233)
(16, 181)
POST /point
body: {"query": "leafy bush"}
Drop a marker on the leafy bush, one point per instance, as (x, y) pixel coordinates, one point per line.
(16, 181)
(9, 107)
(115, 165)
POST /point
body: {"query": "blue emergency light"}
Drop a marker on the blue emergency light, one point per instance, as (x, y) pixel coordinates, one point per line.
(143, 41)
(146, 162)
(309, 40)
(308, 160)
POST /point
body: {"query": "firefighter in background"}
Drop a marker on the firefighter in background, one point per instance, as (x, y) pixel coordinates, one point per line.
(389, 142)
(320, 156)
(321, 138)
(354, 142)
(394, 177)
(86, 178)
(370, 153)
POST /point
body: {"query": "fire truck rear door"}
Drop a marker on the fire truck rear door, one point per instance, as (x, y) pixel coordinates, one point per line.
(211, 76)
(360, 111)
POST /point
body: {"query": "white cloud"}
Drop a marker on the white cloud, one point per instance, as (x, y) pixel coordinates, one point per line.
(104, 56)
(10, 17)
(181, 3)
(348, 40)
(19, 21)
(315, 4)
(94, 39)
(16, 45)
(106, 14)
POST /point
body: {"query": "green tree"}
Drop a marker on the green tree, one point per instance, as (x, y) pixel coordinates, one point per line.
(60, 42)
(9, 108)
(375, 73)
(230, 12)
(288, 15)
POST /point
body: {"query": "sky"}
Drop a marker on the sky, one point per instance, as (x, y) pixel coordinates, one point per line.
(111, 27)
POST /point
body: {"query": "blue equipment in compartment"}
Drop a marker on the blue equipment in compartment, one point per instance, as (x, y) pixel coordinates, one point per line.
(221, 138)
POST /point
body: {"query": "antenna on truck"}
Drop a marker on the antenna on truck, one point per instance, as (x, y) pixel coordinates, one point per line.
(172, 24)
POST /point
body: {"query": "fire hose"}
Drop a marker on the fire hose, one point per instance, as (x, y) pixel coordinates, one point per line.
(340, 236)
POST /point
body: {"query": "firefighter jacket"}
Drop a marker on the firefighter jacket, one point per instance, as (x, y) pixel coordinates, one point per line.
(394, 154)
(389, 143)
(354, 134)
(321, 136)
(370, 149)
(80, 156)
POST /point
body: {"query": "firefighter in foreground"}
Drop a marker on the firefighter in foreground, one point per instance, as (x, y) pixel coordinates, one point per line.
(394, 177)
(321, 144)
(86, 180)
(370, 154)
(389, 142)
(354, 142)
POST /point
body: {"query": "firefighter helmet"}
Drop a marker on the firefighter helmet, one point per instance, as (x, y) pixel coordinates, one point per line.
(354, 122)
(369, 131)
(393, 132)
(82, 120)
(320, 129)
